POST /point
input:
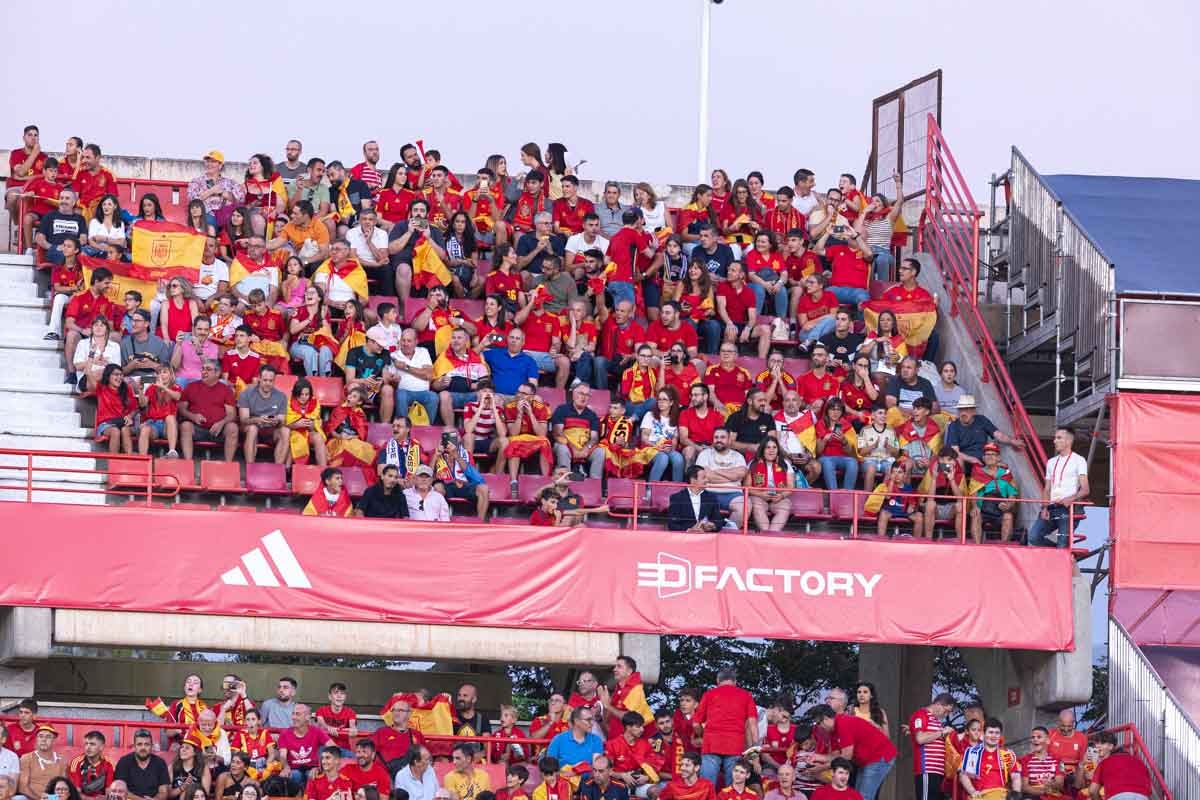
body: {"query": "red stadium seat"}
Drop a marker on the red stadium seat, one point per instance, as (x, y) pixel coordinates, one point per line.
(841, 505)
(589, 491)
(877, 288)
(472, 309)
(329, 391)
(172, 472)
(306, 479)
(124, 474)
(266, 479)
(414, 306)
(354, 481)
(528, 487)
(660, 497)
(620, 494)
(796, 366)
(598, 402)
(753, 365)
(221, 476)
(429, 437)
(552, 397)
(500, 493)
(378, 433)
(809, 504)
(375, 300)
(284, 383)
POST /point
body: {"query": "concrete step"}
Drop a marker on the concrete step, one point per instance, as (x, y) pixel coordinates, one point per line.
(10, 260)
(37, 358)
(80, 442)
(56, 469)
(17, 288)
(24, 373)
(33, 429)
(39, 422)
(35, 404)
(31, 312)
(9, 301)
(26, 337)
(53, 492)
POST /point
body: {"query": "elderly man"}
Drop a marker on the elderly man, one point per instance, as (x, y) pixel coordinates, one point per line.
(394, 742)
(577, 745)
(618, 342)
(970, 432)
(213, 189)
(208, 412)
(63, 223)
(41, 765)
(206, 725)
(423, 502)
(534, 247)
(299, 748)
(512, 367)
(418, 778)
(575, 430)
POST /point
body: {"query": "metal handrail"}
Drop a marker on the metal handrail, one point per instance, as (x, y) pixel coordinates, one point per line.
(157, 486)
(1134, 742)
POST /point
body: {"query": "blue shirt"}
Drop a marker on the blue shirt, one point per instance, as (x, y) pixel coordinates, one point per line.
(970, 439)
(509, 371)
(568, 751)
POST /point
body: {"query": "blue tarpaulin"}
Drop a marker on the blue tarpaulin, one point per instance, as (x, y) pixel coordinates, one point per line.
(1148, 227)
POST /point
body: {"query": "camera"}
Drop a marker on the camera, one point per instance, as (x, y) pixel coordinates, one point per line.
(670, 359)
(946, 468)
(448, 437)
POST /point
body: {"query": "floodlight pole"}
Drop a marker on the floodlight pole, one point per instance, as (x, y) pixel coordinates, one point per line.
(705, 31)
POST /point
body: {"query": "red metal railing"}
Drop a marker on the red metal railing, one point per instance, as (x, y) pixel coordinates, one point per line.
(1131, 741)
(949, 229)
(130, 476)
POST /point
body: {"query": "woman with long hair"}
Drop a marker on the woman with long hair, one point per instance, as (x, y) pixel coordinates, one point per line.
(676, 371)
(235, 236)
(767, 275)
(740, 219)
(116, 403)
(266, 197)
(505, 184)
(197, 218)
(660, 430)
(188, 772)
(699, 211)
(877, 226)
(866, 705)
(720, 189)
(556, 155)
(460, 252)
(149, 209)
(395, 197)
(768, 477)
(948, 390)
(95, 353)
(695, 298)
(858, 391)
(229, 783)
(654, 211)
(836, 445)
(106, 231)
(61, 788)
(306, 442)
(492, 327)
(765, 200)
(181, 309)
(531, 159)
(312, 336)
(346, 434)
(674, 267)
(886, 346)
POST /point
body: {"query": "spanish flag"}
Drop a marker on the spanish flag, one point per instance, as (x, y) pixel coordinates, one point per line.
(428, 268)
(319, 505)
(349, 271)
(159, 709)
(435, 717)
(356, 337)
(243, 267)
(160, 251)
(629, 697)
(804, 428)
(915, 319)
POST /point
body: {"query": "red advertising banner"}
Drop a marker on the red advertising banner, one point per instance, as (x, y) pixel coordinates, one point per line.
(554, 578)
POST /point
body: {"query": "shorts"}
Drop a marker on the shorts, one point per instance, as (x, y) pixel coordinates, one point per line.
(455, 492)
(545, 361)
(882, 465)
(990, 510)
(460, 399)
(103, 427)
(945, 511)
(201, 433)
(158, 426)
(896, 510)
(483, 446)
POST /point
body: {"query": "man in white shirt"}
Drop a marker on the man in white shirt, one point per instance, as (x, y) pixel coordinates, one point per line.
(1066, 483)
(724, 469)
(580, 243)
(415, 369)
(418, 778)
(214, 274)
(423, 502)
(806, 198)
(368, 243)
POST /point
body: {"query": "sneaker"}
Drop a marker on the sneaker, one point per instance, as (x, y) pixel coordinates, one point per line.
(51, 337)
(512, 490)
(71, 378)
(29, 251)
(575, 383)
(804, 348)
(646, 496)
(172, 454)
(577, 474)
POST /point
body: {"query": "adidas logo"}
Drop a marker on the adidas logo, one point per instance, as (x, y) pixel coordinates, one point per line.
(258, 564)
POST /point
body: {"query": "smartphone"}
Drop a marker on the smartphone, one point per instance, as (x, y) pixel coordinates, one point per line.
(839, 228)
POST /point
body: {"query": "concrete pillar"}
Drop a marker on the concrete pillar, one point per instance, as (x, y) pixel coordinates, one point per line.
(25, 635)
(15, 684)
(903, 678)
(644, 648)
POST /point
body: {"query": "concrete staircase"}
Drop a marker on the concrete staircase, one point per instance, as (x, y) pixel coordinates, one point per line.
(37, 410)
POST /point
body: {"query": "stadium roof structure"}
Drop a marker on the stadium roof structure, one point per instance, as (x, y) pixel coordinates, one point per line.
(1149, 228)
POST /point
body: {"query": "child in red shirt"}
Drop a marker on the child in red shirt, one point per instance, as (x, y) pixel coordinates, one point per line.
(159, 405)
(547, 513)
(66, 280)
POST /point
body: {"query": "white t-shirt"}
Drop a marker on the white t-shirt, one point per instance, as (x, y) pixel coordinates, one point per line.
(263, 279)
(98, 228)
(112, 353)
(210, 276)
(336, 289)
(876, 443)
(656, 217)
(1062, 476)
(419, 358)
(659, 429)
(709, 458)
(805, 204)
(577, 244)
(358, 243)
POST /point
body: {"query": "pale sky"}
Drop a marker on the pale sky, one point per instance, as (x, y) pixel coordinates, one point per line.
(1091, 87)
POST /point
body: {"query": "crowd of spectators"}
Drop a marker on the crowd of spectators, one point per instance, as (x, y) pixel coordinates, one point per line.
(600, 741)
(520, 282)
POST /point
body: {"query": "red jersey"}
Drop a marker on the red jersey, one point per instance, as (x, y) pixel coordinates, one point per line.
(681, 381)
(517, 753)
(621, 249)
(569, 219)
(267, 326)
(813, 387)
(776, 742)
(15, 159)
(92, 779)
(992, 770)
(1069, 749)
(585, 332)
(442, 208)
(339, 723)
(780, 222)
(1121, 772)
(45, 195)
(666, 753)
(366, 173)
(870, 744)
(662, 337)
(678, 790)
(830, 793)
(627, 757)
(322, 788)
(1041, 771)
(507, 285)
(541, 413)
(825, 303)
(375, 775)
(742, 232)
(93, 186)
(764, 380)
(756, 262)
(258, 747)
(523, 210)
(86, 306)
(931, 756)
(63, 275)
(723, 711)
(240, 367)
(730, 793)
(484, 218)
(158, 405)
(849, 267)
(21, 741)
(738, 302)
(393, 205)
(857, 401)
(541, 329)
(700, 430)
(390, 744)
(898, 294)
(617, 342)
(803, 265)
(110, 406)
(484, 329)
(730, 385)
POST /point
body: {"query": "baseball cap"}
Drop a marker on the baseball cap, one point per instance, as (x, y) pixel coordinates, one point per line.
(991, 447)
(966, 401)
(215, 155)
(46, 728)
(424, 469)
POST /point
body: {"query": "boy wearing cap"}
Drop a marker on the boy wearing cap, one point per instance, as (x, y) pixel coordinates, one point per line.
(41, 765)
(970, 432)
(995, 481)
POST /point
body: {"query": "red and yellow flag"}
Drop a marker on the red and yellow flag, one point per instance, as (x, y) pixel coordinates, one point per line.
(435, 717)
(915, 318)
(428, 268)
(160, 250)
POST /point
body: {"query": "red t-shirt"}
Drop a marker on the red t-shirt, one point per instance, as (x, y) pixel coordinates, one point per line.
(19, 741)
(627, 757)
(508, 286)
(661, 337)
(849, 267)
(340, 721)
(92, 187)
(65, 276)
(15, 159)
(375, 775)
(618, 251)
(1121, 772)
(1070, 750)
(541, 329)
(756, 261)
(393, 205)
(812, 309)
(570, 219)
(898, 294)
(243, 367)
(780, 222)
(813, 387)
(389, 744)
(109, 405)
(738, 302)
(730, 386)
(776, 742)
(678, 790)
(321, 788)
(45, 195)
(303, 752)
(441, 210)
(700, 430)
(730, 793)
(830, 793)
(723, 712)
(931, 756)
(208, 401)
(870, 744)
(618, 342)
(85, 307)
(801, 266)
(543, 520)
(681, 381)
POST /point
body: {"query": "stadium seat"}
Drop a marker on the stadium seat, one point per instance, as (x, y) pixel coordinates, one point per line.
(877, 288)
(378, 433)
(243, 509)
(172, 472)
(429, 437)
(528, 487)
(472, 309)
(598, 402)
(589, 491)
(796, 366)
(330, 392)
(375, 300)
(841, 505)
(354, 481)
(660, 496)
(221, 476)
(284, 383)
(753, 364)
(413, 307)
(264, 478)
(809, 504)
(123, 474)
(552, 397)
(498, 486)
(306, 479)
(620, 495)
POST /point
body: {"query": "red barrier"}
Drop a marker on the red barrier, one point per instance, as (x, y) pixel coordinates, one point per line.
(127, 476)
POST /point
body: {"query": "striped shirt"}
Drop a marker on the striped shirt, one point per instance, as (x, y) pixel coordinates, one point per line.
(931, 756)
(1040, 771)
(485, 422)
